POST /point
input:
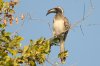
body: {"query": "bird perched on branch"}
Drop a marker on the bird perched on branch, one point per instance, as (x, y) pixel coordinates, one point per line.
(61, 26)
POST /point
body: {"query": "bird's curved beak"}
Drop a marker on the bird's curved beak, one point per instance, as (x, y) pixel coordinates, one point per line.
(51, 11)
(48, 12)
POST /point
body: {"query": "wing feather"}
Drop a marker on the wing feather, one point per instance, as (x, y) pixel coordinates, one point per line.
(67, 27)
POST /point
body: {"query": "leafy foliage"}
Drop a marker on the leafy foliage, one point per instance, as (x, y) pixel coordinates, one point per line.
(36, 51)
(63, 56)
(11, 53)
(8, 46)
(7, 11)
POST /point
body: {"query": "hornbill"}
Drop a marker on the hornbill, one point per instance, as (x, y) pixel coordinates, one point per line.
(61, 26)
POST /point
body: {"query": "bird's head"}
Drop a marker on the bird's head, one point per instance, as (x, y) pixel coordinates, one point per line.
(55, 10)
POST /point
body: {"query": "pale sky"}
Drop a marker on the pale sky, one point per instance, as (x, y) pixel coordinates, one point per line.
(84, 50)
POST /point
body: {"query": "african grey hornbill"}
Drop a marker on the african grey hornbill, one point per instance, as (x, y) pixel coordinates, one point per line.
(61, 26)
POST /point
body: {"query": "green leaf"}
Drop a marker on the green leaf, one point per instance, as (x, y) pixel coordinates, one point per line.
(47, 47)
(6, 4)
(32, 63)
(2, 25)
(41, 58)
(20, 44)
(1, 3)
(11, 11)
(7, 58)
(3, 32)
(7, 34)
(25, 48)
(41, 40)
(55, 41)
(63, 56)
(19, 38)
(12, 51)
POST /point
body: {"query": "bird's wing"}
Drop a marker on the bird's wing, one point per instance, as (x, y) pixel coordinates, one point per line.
(66, 23)
(67, 27)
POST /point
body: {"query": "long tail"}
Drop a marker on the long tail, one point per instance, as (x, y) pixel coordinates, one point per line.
(62, 48)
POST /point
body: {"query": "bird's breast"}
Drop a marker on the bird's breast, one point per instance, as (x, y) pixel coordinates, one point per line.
(58, 26)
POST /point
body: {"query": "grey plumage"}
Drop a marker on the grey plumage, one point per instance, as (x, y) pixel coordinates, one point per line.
(60, 26)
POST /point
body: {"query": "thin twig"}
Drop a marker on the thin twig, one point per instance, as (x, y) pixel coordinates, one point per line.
(81, 30)
(49, 27)
(81, 20)
(14, 33)
(50, 62)
(40, 20)
(91, 4)
(93, 25)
